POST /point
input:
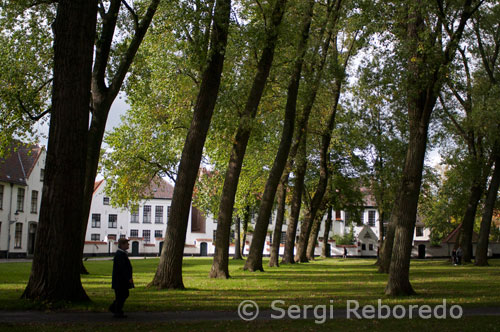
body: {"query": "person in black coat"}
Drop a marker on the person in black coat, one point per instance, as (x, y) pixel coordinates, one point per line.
(121, 280)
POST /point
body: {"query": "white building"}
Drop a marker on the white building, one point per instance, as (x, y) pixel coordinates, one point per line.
(21, 182)
(144, 227)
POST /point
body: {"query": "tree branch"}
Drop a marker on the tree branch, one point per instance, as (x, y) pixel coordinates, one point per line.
(133, 13)
(32, 117)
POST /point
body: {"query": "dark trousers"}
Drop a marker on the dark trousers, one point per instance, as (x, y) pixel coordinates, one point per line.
(121, 294)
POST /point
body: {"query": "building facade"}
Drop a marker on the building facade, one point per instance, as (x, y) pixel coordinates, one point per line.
(21, 182)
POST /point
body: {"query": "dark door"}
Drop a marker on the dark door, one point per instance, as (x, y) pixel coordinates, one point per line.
(203, 249)
(31, 238)
(135, 248)
(421, 251)
(161, 247)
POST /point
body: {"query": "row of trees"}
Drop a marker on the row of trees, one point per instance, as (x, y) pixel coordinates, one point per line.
(293, 101)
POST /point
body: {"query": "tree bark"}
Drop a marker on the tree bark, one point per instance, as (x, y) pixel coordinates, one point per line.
(169, 272)
(385, 253)
(489, 206)
(424, 84)
(325, 252)
(246, 219)
(104, 96)
(291, 231)
(220, 264)
(476, 192)
(237, 244)
(280, 215)
(254, 261)
(313, 237)
(55, 272)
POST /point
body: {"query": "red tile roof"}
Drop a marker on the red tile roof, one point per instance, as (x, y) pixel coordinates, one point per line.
(453, 236)
(159, 188)
(17, 167)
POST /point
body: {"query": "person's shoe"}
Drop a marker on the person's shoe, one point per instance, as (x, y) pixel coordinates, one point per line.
(111, 309)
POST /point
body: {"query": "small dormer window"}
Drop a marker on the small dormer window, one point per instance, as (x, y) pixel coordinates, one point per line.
(105, 201)
(420, 231)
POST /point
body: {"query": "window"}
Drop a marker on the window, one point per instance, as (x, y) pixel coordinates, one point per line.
(134, 233)
(96, 220)
(122, 236)
(347, 216)
(1, 196)
(363, 246)
(371, 218)
(159, 214)
(113, 220)
(283, 237)
(146, 214)
(20, 199)
(158, 233)
(146, 234)
(168, 213)
(19, 235)
(105, 201)
(42, 174)
(370, 247)
(420, 231)
(361, 220)
(134, 216)
(338, 216)
(34, 201)
(95, 237)
(214, 235)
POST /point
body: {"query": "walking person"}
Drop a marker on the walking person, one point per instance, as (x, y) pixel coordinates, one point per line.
(345, 253)
(454, 256)
(121, 280)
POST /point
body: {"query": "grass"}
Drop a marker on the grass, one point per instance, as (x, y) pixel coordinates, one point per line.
(464, 324)
(323, 281)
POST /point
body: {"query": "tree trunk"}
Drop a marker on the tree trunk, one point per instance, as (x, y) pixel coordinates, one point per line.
(280, 215)
(291, 231)
(237, 245)
(220, 264)
(325, 251)
(381, 238)
(254, 261)
(489, 206)
(476, 191)
(55, 272)
(104, 96)
(313, 237)
(385, 253)
(246, 219)
(169, 272)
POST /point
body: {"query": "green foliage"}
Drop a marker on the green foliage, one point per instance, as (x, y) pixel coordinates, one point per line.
(25, 69)
(347, 238)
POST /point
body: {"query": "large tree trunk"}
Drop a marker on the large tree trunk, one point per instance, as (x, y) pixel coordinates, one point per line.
(423, 85)
(385, 252)
(169, 272)
(280, 215)
(476, 192)
(489, 206)
(220, 264)
(103, 96)
(237, 244)
(325, 250)
(55, 272)
(381, 236)
(254, 261)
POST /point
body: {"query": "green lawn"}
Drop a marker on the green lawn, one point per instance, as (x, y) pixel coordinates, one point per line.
(323, 281)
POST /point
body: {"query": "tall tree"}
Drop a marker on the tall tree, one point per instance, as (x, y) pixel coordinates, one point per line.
(103, 94)
(169, 272)
(220, 263)
(254, 261)
(55, 272)
(427, 59)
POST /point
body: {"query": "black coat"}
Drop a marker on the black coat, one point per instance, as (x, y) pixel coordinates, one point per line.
(122, 271)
